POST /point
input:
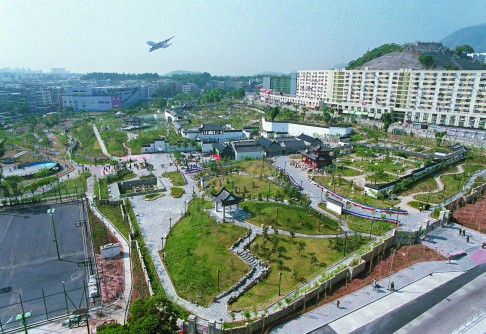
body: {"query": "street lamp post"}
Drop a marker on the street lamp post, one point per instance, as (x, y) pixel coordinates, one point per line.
(371, 229)
(391, 266)
(345, 241)
(276, 222)
(170, 224)
(219, 271)
(51, 213)
(322, 192)
(285, 165)
(279, 281)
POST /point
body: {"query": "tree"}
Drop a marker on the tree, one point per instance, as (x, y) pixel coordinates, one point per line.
(387, 121)
(113, 328)
(274, 112)
(439, 137)
(155, 314)
(462, 50)
(427, 60)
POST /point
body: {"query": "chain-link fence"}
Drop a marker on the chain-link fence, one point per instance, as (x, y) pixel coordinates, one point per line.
(42, 305)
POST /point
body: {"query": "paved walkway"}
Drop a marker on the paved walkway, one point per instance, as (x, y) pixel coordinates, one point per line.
(447, 239)
(407, 222)
(440, 186)
(101, 142)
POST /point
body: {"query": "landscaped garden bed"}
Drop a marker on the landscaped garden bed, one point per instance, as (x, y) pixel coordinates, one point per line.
(175, 177)
(353, 192)
(290, 218)
(176, 192)
(196, 249)
(379, 271)
(298, 259)
(473, 215)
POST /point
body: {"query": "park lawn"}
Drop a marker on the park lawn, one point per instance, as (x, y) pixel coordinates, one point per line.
(388, 166)
(99, 233)
(290, 218)
(453, 184)
(472, 168)
(176, 178)
(114, 141)
(364, 225)
(255, 167)
(345, 171)
(428, 183)
(144, 138)
(69, 187)
(196, 249)
(417, 205)
(345, 189)
(380, 178)
(89, 146)
(296, 269)
(244, 185)
(114, 215)
(176, 192)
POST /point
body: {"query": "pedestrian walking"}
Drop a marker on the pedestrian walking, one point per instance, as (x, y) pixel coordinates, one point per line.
(467, 239)
(464, 232)
(373, 284)
(338, 303)
(460, 231)
(392, 286)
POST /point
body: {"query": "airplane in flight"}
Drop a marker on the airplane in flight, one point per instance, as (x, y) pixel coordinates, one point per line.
(163, 44)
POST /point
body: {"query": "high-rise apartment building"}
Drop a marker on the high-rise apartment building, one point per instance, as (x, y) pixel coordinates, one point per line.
(285, 84)
(455, 98)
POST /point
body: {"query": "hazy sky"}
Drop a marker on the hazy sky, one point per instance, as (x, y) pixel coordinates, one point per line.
(217, 36)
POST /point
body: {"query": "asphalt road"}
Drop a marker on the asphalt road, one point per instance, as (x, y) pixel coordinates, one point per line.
(29, 265)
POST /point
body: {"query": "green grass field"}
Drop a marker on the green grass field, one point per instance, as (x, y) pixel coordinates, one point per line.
(114, 214)
(345, 188)
(453, 184)
(363, 225)
(176, 192)
(301, 259)
(290, 218)
(175, 177)
(196, 248)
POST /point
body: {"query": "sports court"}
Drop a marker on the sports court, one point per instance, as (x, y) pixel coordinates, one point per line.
(29, 267)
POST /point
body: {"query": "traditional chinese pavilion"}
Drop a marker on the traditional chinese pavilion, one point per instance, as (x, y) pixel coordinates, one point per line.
(317, 156)
(226, 198)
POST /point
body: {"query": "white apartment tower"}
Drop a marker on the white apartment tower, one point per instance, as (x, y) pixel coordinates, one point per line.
(455, 98)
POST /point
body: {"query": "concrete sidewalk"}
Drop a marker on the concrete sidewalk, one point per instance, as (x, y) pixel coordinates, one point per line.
(391, 301)
(406, 280)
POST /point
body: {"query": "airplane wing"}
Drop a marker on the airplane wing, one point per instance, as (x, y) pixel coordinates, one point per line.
(168, 39)
(151, 43)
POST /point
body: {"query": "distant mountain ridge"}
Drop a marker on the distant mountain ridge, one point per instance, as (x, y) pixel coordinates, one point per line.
(474, 36)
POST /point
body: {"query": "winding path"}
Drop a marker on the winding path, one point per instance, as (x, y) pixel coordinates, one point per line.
(440, 186)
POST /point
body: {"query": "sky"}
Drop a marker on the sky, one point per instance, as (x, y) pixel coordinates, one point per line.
(222, 37)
